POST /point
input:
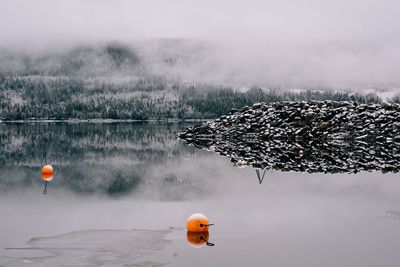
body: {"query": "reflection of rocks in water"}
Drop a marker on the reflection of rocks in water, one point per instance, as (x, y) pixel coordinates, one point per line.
(94, 248)
(308, 136)
(260, 175)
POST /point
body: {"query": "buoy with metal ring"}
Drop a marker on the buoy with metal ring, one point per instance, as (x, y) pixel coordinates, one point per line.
(47, 176)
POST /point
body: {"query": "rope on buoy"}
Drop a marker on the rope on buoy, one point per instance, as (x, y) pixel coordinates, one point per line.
(45, 188)
(45, 157)
(202, 225)
(207, 243)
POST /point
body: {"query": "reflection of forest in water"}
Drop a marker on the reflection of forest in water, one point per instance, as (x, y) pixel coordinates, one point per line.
(112, 158)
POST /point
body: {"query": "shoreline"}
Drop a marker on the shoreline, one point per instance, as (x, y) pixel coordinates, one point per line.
(101, 121)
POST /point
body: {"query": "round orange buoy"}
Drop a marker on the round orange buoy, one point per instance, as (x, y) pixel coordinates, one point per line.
(197, 222)
(197, 239)
(47, 173)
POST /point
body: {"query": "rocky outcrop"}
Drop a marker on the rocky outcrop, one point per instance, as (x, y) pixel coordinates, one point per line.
(312, 136)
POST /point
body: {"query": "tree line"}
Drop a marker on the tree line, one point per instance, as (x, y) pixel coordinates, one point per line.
(38, 97)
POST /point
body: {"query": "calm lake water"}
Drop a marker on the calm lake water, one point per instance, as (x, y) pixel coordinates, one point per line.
(114, 177)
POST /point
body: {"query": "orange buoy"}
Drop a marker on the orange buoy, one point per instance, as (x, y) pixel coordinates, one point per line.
(47, 173)
(197, 222)
(197, 239)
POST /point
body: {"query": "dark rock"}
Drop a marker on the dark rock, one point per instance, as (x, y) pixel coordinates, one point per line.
(333, 136)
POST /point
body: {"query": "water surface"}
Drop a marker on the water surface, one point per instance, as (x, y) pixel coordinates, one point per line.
(124, 176)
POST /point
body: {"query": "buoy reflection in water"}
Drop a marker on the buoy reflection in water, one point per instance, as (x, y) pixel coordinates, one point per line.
(198, 239)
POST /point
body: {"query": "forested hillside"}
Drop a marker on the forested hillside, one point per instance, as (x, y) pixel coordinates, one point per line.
(115, 81)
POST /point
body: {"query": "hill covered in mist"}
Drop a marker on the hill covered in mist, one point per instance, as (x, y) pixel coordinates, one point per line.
(109, 60)
(163, 79)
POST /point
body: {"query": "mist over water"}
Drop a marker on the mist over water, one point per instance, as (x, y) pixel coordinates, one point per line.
(115, 159)
(122, 191)
(123, 176)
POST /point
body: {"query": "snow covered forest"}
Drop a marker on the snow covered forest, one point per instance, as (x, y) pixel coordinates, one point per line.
(116, 81)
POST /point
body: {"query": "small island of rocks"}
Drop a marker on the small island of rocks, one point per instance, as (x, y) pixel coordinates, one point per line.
(306, 136)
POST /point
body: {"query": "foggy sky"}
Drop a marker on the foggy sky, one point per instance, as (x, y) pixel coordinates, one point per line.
(284, 20)
(266, 42)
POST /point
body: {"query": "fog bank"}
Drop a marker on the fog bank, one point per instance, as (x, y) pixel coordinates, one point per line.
(289, 44)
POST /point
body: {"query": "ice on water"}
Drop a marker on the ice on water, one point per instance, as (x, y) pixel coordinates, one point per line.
(93, 248)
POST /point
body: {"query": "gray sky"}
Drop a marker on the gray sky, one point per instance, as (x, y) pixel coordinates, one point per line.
(256, 20)
(294, 43)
